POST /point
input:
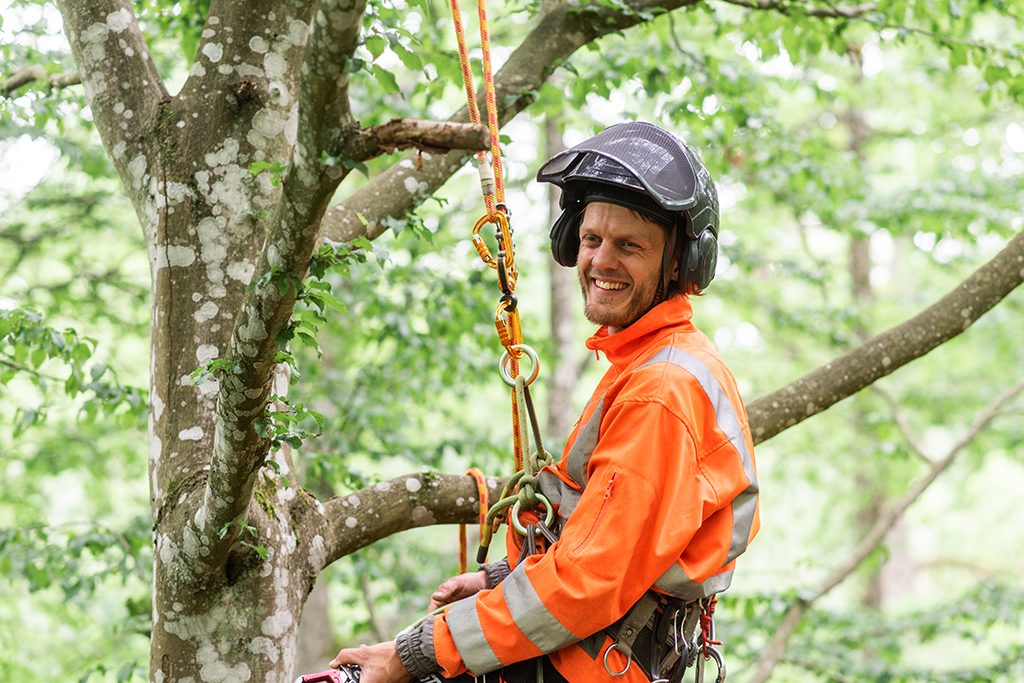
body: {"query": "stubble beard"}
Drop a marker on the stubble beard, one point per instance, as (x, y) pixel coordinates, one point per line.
(641, 302)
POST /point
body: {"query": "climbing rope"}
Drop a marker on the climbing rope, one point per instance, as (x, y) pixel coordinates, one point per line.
(492, 182)
(481, 492)
(521, 493)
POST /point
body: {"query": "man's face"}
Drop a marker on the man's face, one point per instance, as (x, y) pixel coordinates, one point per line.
(619, 264)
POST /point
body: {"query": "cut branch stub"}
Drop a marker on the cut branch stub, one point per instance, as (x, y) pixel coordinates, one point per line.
(431, 136)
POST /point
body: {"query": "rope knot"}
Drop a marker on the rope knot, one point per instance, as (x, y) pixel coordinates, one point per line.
(527, 493)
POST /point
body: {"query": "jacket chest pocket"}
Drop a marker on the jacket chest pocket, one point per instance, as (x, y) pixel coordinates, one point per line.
(600, 522)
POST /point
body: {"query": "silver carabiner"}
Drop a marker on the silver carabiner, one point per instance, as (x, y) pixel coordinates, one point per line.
(719, 662)
(629, 661)
(675, 631)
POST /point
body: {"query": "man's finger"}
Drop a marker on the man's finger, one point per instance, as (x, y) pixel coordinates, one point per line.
(346, 656)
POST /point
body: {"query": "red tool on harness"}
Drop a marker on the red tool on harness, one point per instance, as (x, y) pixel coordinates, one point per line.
(346, 674)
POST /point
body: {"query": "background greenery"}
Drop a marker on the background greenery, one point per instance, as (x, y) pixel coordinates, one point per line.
(898, 133)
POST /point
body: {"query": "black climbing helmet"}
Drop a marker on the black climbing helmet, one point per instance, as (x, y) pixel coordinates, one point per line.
(645, 168)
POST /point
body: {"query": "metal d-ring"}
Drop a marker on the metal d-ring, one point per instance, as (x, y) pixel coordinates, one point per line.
(506, 358)
(542, 499)
(629, 661)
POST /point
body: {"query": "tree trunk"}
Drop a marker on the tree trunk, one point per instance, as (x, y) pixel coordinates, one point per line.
(315, 642)
(867, 479)
(565, 372)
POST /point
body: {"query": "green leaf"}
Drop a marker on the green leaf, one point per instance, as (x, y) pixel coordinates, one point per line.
(410, 59)
(386, 79)
(375, 44)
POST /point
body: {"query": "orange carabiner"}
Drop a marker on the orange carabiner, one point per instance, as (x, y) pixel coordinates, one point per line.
(506, 249)
(506, 322)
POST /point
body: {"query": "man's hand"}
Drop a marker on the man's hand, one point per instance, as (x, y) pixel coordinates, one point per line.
(458, 587)
(377, 663)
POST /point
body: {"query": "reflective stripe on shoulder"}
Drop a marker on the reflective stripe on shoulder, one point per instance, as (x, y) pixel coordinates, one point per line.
(744, 505)
(531, 616)
(468, 634)
(675, 582)
(583, 446)
(559, 493)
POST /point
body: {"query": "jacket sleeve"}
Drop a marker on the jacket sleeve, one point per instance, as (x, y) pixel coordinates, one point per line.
(646, 498)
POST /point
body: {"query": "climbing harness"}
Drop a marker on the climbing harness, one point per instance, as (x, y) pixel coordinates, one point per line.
(521, 494)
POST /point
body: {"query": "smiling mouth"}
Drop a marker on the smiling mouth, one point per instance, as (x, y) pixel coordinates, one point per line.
(609, 286)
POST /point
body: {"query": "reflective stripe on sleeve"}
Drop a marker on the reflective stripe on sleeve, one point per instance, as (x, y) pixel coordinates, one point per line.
(745, 504)
(530, 614)
(744, 507)
(583, 447)
(468, 634)
(676, 583)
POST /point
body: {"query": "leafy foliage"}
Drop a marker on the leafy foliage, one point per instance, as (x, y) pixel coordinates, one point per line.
(26, 344)
(892, 128)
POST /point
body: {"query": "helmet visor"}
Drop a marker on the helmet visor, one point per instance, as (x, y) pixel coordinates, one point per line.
(659, 161)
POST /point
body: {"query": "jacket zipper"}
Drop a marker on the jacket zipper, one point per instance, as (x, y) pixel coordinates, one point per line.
(600, 513)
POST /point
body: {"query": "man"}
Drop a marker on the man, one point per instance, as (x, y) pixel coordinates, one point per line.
(656, 490)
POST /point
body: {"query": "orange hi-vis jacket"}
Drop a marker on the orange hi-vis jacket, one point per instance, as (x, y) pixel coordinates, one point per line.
(656, 488)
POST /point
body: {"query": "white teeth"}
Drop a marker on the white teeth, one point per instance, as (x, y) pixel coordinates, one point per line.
(604, 284)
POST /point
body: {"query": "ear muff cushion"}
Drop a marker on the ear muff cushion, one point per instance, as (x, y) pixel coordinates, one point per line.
(702, 258)
(565, 237)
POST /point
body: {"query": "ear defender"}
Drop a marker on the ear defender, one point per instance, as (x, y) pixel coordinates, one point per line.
(565, 233)
(701, 257)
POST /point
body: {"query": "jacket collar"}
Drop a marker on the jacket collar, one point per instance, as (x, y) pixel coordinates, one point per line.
(623, 347)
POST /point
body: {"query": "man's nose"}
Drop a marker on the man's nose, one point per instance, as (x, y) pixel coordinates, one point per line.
(605, 256)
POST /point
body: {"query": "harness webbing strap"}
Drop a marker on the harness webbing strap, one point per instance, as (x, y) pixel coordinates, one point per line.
(636, 618)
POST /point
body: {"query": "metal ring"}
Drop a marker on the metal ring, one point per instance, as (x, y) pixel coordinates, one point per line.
(506, 375)
(518, 526)
(629, 661)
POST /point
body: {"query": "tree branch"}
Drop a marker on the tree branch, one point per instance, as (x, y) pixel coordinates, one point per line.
(34, 73)
(247, 65)
(430, 136)
(380, 633)
(325, 117)
(901, 423)
(876, 534)
(558, 34)
(121, 83)
(800, 8)
(884, 353)
(113, 61)
(400, 504)
(238, 450)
